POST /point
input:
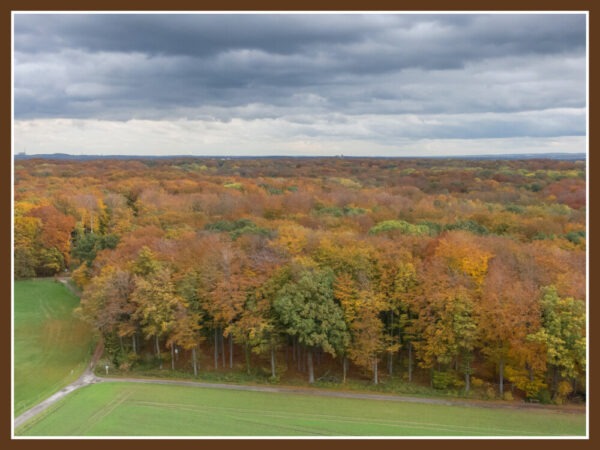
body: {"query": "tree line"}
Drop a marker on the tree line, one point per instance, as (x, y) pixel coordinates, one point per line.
(454, 275)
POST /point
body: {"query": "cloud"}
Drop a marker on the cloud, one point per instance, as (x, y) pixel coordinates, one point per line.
(371, 77)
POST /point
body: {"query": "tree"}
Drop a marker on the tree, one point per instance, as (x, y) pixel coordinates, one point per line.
(55, 236)
(185, 333)
(405, 288)
(106, 304)
(156, 303)
(227, 282)
(258, 328)
(508, 310)
(562, 333)
(306, 308)
(448, 317)
(397, 284)
(361, 312)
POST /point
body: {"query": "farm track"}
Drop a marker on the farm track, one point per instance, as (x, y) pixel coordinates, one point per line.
(89, 378)
(85, 379)
(345, 394)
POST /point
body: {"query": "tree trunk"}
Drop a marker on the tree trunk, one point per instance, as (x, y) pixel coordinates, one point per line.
(501, 377)
(344, 368)
(121, 344)
(216, 350)
(133, 343)
(375, 378)
(247, 351)
(172, 357)
(467, 376)
(309, 361)
(272, 362)
(222, 341)
(194, 361)
(287, 354)
(410, 361)
(391, 354)
(230, 351)
(158, 351)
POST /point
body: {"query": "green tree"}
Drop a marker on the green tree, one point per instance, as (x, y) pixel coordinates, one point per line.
(563, 335)
(306, 308)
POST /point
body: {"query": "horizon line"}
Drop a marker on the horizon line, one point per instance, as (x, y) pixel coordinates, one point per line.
(542, 155)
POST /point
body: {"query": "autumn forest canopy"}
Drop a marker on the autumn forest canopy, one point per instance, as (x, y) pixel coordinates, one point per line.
(455, 274)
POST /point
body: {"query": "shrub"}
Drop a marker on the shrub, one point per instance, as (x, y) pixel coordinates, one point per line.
(468, 225)
(442, 380)
(476, 382)
(400, 226)
(544, 396)
(237, 186)
(490, 393)
(562, 392)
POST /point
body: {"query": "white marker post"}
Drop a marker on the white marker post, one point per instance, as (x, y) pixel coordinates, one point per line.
(106, 367)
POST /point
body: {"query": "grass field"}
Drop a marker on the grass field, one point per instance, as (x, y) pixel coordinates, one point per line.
(127, 409)
(51, 347)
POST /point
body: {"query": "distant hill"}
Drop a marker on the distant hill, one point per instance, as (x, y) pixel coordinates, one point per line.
(66, 156)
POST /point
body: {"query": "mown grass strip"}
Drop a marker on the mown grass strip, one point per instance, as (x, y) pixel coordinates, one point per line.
(129, 409)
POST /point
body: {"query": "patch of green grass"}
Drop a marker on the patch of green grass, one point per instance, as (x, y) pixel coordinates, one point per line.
(52, 348)
(128, 409)
(234, 185)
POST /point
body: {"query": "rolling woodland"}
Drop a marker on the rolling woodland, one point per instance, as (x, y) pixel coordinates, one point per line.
(455, 274)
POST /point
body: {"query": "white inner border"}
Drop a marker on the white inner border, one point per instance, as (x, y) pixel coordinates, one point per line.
(13, 13)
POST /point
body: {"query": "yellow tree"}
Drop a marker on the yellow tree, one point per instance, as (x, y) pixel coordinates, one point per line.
(226, 284)
(508, 313)
(361, 309)
(448, 314)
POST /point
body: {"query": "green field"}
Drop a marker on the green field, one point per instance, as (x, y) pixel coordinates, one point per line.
(129, 409)
(51, 347)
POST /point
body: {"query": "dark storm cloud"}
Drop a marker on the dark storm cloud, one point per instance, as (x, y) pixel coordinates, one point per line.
(220, 67)
(176, 34)
(442, 36)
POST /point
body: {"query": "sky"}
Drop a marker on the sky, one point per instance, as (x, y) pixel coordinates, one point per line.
(299, 84)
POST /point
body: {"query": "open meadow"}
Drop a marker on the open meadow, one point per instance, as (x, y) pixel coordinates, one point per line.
(51, 346)
(131, 409)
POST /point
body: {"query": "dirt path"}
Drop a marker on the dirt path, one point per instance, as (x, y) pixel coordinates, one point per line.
(281, 390)
(85, 379)
(89, 378)
(346, 394)
(69, 286)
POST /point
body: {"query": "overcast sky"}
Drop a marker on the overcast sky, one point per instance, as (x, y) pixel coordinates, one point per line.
(299, 84)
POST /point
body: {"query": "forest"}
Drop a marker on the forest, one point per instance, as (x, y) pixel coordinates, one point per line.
(455, 274)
